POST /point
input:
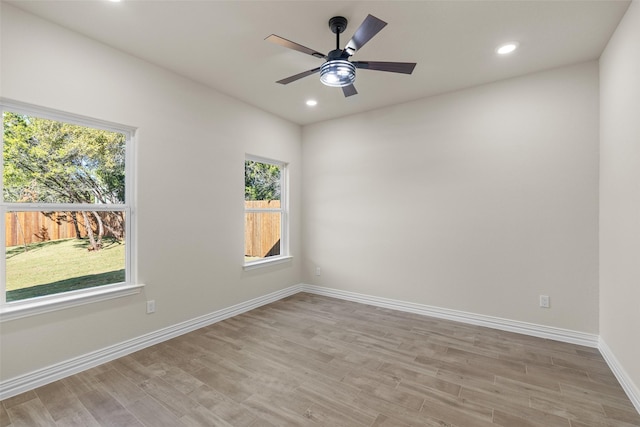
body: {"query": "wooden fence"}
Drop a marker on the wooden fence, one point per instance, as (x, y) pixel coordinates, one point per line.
(262, 230)
(261, 237)
(30, 227)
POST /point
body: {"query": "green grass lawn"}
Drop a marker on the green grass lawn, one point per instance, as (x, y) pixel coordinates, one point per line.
(62, 265)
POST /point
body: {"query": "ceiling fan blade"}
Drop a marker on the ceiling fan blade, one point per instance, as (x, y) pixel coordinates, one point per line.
(298, 76)
(293, 45)
(392, 67)
(365, 32)
(349, 90)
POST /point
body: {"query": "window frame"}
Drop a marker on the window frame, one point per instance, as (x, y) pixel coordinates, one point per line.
(42, 304)
(285, 255)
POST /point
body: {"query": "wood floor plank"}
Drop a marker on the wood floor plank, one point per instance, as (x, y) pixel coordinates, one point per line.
(606, 390)
(568, 408)
(202, 417)
(624, 415)
(557, 373)
(407, 372)
(510, 405)
(59, 400)
(151, 413)
(451, 408)
(367, 380)
(528, 383)
(31, 413)
(583, 363)
(451, 414)
(224, 384)
(386, 421)
(178, 403)
(494, 395)
(4, 417)
(119, 386)
(507, 419)
(107, 410)
(401, 396)
(578, 423)
(19, 399)
(374, 405)
(323, 415)
(309, 360)
(342, 404)
(182, 381)
(132, 369)
(223, 406)
(81, 418)
(583, 392)
(81, 383)
(276, 411)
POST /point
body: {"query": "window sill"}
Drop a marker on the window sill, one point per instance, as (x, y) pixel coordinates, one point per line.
(34, 306)
(266, 262)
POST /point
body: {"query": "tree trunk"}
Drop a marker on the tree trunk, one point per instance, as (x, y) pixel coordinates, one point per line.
(87, 225)
(100, 229)
(114, 224)
(74, 217)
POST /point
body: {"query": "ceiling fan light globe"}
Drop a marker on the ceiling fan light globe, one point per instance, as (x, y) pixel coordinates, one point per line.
(337, 73)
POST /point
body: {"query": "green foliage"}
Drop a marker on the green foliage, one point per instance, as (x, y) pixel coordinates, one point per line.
(48, 161)
(261, 181)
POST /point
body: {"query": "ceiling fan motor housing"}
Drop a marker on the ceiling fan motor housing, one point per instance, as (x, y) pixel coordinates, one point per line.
(338, 24)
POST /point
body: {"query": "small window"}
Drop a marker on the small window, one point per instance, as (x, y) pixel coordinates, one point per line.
(66, 205)
(265, 207)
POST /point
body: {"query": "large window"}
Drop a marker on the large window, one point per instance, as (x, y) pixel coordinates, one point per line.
(65, 208)
(266, 215)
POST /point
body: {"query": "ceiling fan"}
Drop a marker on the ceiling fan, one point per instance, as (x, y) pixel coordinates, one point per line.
(338, 71)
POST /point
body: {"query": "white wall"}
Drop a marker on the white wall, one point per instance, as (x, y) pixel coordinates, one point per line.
(620, 195)
(190, 155)
(478, 200)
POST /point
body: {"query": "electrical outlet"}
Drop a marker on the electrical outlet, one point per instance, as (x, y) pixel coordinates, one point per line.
(151, 306)
(317, 271)
(544, 301)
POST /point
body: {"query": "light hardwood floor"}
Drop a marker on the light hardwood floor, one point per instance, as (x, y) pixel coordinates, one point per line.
(312, 360)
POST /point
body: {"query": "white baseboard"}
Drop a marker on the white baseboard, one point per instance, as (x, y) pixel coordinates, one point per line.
(29, 381)
(623, 378)
(549, 332)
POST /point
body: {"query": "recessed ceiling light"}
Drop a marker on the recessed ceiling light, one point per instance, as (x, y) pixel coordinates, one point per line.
(312, 102)
(507, 48)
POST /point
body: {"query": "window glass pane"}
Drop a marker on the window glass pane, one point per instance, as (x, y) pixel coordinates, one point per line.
(47, 161)
(53, 252)
(261, 235)
(261, 181)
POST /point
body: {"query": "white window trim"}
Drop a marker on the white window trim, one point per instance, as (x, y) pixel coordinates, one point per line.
(285, 255)
(272, 260)
(33, 306)
(38, 305)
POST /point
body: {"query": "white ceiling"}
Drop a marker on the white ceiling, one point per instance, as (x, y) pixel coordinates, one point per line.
(221, 43)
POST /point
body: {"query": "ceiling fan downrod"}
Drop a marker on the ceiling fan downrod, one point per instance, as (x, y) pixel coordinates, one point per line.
(338, 24)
